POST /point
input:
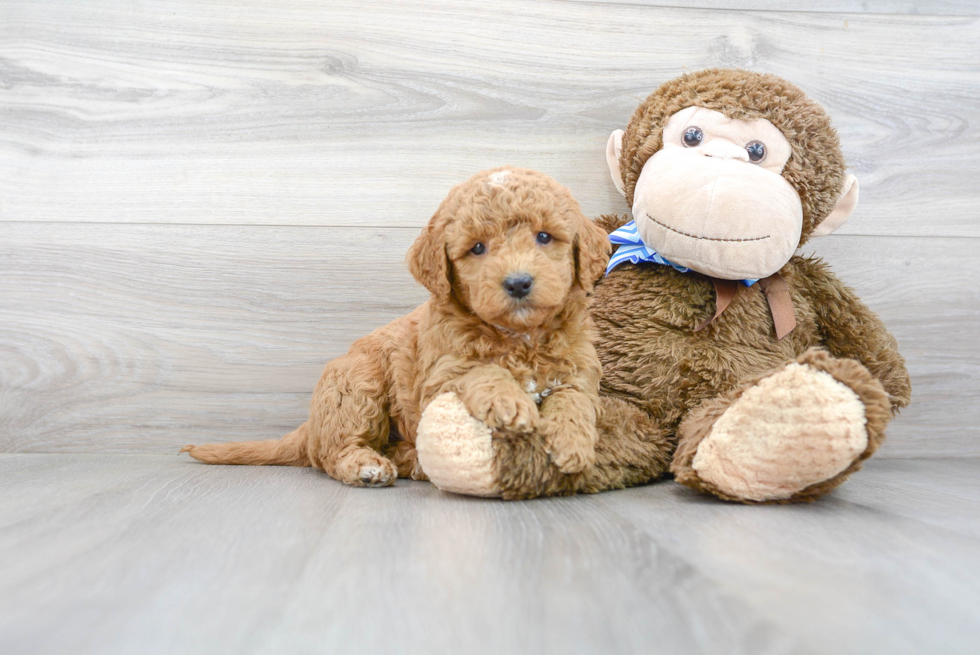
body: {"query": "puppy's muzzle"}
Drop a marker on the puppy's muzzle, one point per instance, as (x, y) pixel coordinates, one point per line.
(518, 285)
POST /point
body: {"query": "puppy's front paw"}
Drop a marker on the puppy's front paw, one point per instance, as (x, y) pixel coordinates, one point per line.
(574, 459)
(570, 451)
(508, 408)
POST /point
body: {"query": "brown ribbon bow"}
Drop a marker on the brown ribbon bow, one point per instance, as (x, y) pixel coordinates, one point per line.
(777, 295)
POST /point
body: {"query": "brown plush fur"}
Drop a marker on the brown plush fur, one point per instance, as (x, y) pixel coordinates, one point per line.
(471, 337)
(633, 448)
(657, 369)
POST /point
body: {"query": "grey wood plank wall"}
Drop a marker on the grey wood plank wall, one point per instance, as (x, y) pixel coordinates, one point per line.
(200, 203)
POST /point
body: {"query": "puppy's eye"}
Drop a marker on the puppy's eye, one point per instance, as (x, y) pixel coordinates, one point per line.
(693, 137)
(478, 249)
(544, 238)
(756, 150)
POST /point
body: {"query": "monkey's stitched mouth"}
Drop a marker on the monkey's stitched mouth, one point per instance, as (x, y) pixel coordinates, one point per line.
(694, 236)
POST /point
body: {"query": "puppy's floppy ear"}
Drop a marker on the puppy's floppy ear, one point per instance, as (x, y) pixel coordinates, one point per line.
(427, 259)
(592, 248)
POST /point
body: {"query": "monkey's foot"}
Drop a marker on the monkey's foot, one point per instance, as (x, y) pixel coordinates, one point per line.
(455, 449)
(789, 436)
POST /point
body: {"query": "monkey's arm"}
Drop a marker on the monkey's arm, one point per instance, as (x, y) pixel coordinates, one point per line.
(849, 329)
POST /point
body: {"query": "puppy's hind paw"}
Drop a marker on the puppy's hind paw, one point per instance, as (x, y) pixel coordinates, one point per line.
(375, 476)
(364, 467)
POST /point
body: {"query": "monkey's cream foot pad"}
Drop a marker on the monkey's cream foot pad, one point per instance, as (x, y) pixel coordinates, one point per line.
(793, 429)
(455, 449)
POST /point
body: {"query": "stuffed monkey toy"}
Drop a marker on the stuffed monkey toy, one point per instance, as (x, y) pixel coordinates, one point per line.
(742, 368)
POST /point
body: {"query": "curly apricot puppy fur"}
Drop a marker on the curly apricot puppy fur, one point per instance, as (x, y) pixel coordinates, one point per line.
(509, 259)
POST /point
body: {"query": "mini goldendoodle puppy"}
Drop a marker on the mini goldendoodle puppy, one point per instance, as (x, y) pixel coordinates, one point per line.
(509, 258)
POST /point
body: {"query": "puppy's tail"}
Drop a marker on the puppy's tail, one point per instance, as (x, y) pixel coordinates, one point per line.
(288, 451)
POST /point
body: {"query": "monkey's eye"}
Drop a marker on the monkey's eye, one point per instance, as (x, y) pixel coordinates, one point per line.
(756, 150)
(544, 238)
(478, 249)
(693, 137)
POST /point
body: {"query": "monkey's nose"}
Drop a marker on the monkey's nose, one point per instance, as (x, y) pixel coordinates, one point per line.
(724, 149)
(518, 285)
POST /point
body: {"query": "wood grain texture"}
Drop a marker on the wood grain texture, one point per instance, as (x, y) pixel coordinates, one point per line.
(132, 332)
(129, 338)
(154, 554)
(365, 113)
(931, 8)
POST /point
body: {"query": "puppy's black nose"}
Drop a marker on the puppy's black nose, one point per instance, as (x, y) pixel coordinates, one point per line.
(518, 285)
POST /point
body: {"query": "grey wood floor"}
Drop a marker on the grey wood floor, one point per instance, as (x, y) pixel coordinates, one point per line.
(155, 554)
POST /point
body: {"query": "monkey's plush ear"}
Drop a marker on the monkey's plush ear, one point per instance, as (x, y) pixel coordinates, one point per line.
(592, 248)
(427, 259)
(614, 150)
(842, 210)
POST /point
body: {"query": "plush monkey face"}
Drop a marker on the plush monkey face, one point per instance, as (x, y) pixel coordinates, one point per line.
(711, 189)
(713, 199)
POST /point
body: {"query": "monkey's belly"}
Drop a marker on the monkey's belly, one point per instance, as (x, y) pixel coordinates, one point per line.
(650, 350)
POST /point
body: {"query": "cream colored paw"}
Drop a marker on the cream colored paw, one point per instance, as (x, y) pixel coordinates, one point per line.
(455, 449)
(792, 430)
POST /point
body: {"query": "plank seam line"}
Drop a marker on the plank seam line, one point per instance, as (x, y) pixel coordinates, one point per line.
(361, 226)
(644, 5)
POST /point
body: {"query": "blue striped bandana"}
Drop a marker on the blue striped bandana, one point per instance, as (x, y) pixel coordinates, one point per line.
(632, 249)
